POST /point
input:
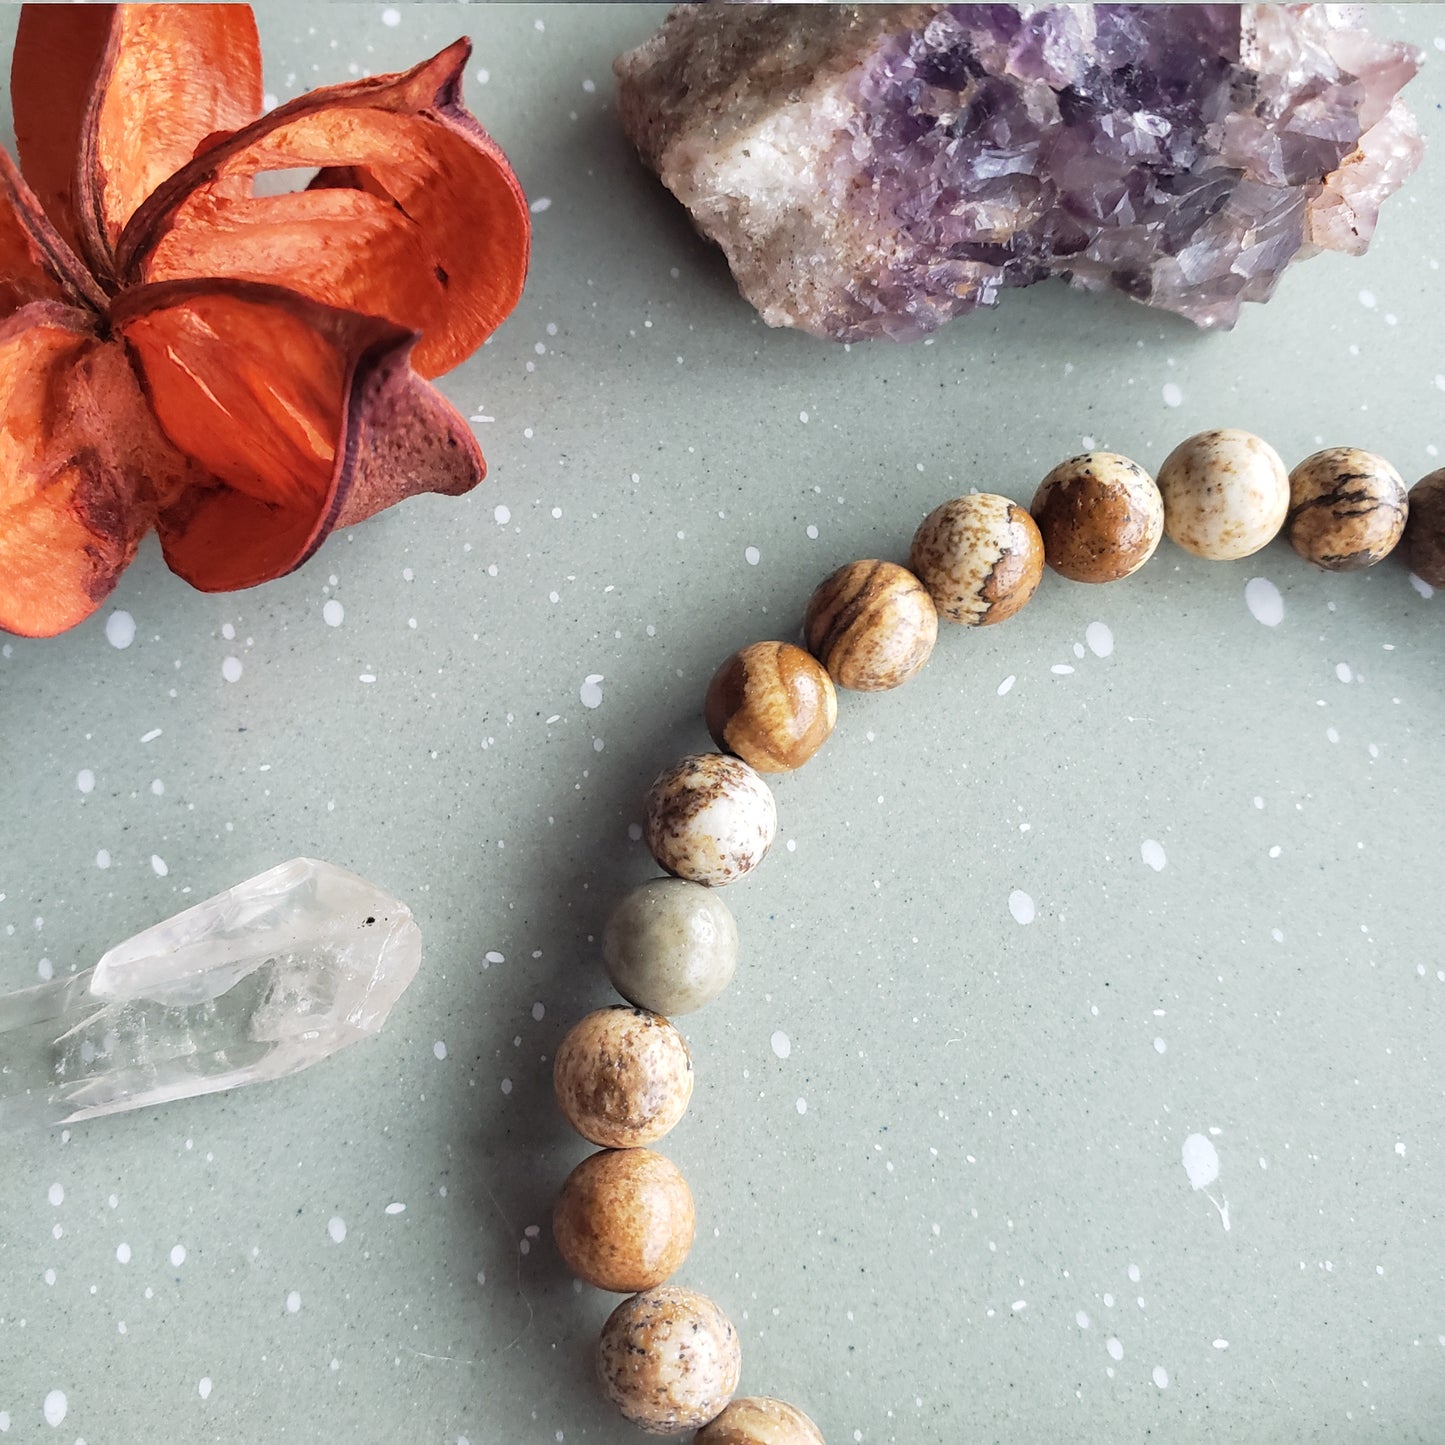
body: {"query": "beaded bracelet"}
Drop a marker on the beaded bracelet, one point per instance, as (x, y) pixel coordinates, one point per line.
(669, 1358)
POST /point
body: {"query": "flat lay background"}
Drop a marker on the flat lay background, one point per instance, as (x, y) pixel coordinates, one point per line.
(1128, 880)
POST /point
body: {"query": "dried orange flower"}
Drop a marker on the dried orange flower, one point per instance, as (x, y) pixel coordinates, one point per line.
(241, 372)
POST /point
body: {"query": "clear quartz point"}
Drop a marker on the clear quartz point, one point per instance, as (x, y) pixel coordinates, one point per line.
(256, 983)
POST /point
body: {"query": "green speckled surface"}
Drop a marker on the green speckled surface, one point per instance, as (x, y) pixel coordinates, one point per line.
(942, 1156)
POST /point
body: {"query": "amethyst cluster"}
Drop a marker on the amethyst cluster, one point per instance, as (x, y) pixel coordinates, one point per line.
(875, 170)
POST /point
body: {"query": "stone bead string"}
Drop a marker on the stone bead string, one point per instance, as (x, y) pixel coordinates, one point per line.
(669, 1358)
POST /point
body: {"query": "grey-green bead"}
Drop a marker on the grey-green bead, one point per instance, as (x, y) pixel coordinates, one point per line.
(670, 946)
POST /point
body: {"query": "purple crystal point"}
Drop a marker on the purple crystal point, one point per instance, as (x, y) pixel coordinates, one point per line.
(873, 171)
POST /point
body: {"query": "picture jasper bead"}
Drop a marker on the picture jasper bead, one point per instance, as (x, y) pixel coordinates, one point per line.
(1346, 509)
(710, 819)
(1423, 547)
(670, 946)
(871, 624)
(669, 1360)
(771, 704)
(624, 1220)
(1225, 494)
(1101, 517)
(623, 1077)
(758, 1421)
(980, 557)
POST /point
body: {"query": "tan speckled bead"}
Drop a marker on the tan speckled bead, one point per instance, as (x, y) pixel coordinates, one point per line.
(623, 1077)
(980, 557)
(1346, 509)
(1423, 547)
(758, 1421)
(624, 1220)
(669, 1359)
(1101, 517)
(871, 624)
(1225, 494)
(710, 819)
(771, 704)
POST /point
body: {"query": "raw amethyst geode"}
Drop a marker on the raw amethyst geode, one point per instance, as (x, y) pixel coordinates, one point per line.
(875, 170)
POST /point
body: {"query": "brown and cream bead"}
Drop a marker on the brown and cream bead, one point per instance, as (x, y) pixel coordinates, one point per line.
(1423, 546)
(980, 557)
(1347, 509)
(1225, 494)
(1100, 515)
(622, 1076)
(669, 1359)
(758, 1421)
(710, 819)
(771, 704)
(624, 1220)
(872, 624)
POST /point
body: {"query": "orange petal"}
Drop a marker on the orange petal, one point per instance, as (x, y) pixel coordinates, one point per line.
(78, 454)
(35, 263)
(305, 418)
(416, 216)
(111, 100)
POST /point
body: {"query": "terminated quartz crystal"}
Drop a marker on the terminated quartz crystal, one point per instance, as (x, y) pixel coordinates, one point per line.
(876, 170)
(258, 982)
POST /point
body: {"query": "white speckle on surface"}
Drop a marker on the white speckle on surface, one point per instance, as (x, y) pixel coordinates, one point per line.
(439, 1049)
(752, 556)
(483, 75)
(782, 1044)
(1006, 684)
(158, 865)
(1100, 638)
(1082, 1320)
(55, 1407)
(56, 1195)
(102, 858)
(203, 1387)
(158, 788)
(1400, 1147)
(1134, 1274)
(228, 631)
(1367, 300)
(1115, 1349)
(45, 969)
(1201, 1161)
(1160, 1047)
(591, 690)
(391, 17)
(539, 1011)
(1021, 906)
(293, 1302)
(502, 514)
(1152, 852)
(122, 1253)
(178, 1256)
(1171, 394)
(1421, 586)
(119, 632)
(1263, 599)
(333, 613)
(396, 1207)
(151, 736)
(85, 780)
(542, 203)
(231, 669)
(1161, 1377)
(336, 1228)
(506, 1086)
(1221, 1344)
(1342, 671)
(4, 1421)
(1062, 669)
(801, 1106)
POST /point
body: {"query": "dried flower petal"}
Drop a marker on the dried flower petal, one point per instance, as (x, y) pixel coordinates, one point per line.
(417, 218)
(303, 417)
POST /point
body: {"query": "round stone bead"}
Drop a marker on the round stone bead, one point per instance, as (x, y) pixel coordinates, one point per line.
(771, 704)
(623, 1076)
(670, 946)
(758, 1421)
(1101, 517)
(980, 557)
(624, 1220)
(1346, 509)
(1225, 494)
(669, 1360)
(710, 819)
(1424, 545)
(871, 624)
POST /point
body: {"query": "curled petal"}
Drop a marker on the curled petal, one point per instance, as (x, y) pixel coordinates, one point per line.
(302, 416)
(35, 262)
(111, 100)
(79, 455)
(416, 215)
